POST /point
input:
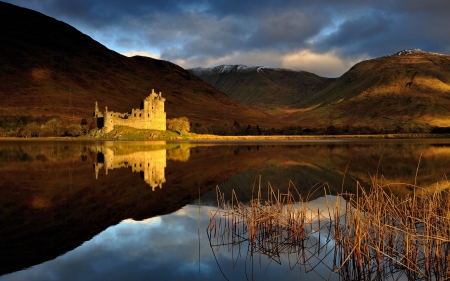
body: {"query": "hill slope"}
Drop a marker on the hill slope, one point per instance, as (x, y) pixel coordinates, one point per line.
(263, 87)
(410, 88)
(49, 68)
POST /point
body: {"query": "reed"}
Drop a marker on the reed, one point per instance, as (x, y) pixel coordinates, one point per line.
(376, 234)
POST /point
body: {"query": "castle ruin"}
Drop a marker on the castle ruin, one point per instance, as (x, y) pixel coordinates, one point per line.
(150, 115)
(149, 160)
(149, 164)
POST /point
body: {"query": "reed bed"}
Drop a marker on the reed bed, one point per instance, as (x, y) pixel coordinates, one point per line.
(371, 235)
(384, 234)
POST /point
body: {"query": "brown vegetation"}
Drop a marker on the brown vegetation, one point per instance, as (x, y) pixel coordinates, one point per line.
(268, 89)
(376, 234)
(407, 92)
(51, 126)
(402, 93)
(48, 68)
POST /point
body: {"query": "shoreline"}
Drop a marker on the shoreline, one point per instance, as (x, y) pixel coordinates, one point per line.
(244, 138)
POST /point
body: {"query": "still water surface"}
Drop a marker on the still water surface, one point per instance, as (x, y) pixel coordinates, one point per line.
(140, 210)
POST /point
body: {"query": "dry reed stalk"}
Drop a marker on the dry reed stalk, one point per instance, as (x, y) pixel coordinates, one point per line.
(376, 234)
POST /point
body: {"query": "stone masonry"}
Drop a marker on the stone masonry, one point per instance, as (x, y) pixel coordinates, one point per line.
(150, 164)
(150, 115)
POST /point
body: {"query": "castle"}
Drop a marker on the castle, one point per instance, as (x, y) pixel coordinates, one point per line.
(150, 115)
(150, 164)
(149, 160)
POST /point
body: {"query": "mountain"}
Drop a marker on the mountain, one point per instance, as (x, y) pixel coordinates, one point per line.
(270, 89)
(48, 68)
(409, 89)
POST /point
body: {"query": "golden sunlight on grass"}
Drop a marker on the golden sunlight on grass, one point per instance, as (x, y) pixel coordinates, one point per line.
(291, 163)
(442, 121)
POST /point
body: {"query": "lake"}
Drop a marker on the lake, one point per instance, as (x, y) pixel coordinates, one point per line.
(74, 210)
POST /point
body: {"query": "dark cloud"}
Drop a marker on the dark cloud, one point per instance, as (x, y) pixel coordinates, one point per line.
(211, 31)
(197, 33)
(356, 36)
(287, 29)
(431, 8)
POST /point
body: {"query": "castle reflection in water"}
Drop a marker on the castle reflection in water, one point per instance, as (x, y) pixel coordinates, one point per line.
(150, 164)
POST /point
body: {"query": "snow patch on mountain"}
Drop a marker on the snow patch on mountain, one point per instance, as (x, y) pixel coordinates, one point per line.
(224, 69)
(221, 69)
(412, 52)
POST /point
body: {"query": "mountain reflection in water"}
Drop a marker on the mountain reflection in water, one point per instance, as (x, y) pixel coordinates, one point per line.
(54, 196)
(162, 248)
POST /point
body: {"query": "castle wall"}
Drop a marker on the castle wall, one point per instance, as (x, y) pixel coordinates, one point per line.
(151, 116)
(151, 164)
(108, 121)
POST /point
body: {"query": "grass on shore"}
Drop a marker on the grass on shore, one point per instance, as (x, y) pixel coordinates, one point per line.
(123, 133)
(127, 133)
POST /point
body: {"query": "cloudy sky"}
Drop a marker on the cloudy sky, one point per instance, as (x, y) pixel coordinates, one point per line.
(326, 37)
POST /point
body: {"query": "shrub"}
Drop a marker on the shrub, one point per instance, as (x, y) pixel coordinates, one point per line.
(31, 130)
(179, 125)
(73, 130)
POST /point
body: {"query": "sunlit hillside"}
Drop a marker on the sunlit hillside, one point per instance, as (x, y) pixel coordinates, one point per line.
(407, 89)
(48, 68)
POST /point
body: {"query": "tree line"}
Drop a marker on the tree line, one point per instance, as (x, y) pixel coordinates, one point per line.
(55, 126)
(254, 129)
(43, 126)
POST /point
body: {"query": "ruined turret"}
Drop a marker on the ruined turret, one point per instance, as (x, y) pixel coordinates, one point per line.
(150, 115)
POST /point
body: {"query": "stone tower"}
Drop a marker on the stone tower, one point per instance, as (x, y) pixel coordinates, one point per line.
(150, 115)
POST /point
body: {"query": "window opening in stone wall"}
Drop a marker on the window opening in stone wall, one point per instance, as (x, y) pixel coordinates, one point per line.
(140, 115)
(148, 115)
(135, 115)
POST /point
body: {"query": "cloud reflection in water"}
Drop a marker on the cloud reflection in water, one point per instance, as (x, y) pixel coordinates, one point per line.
(160, 248)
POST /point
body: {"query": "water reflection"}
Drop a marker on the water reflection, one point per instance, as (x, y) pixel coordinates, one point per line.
(171, 247)
(371, 236)
(162, 248)
(296, 234)
(149, 164)
(53, 200)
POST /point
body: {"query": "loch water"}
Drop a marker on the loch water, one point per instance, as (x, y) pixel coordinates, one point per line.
(73, 210)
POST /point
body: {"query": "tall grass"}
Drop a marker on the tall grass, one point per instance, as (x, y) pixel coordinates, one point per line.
(376, 234)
